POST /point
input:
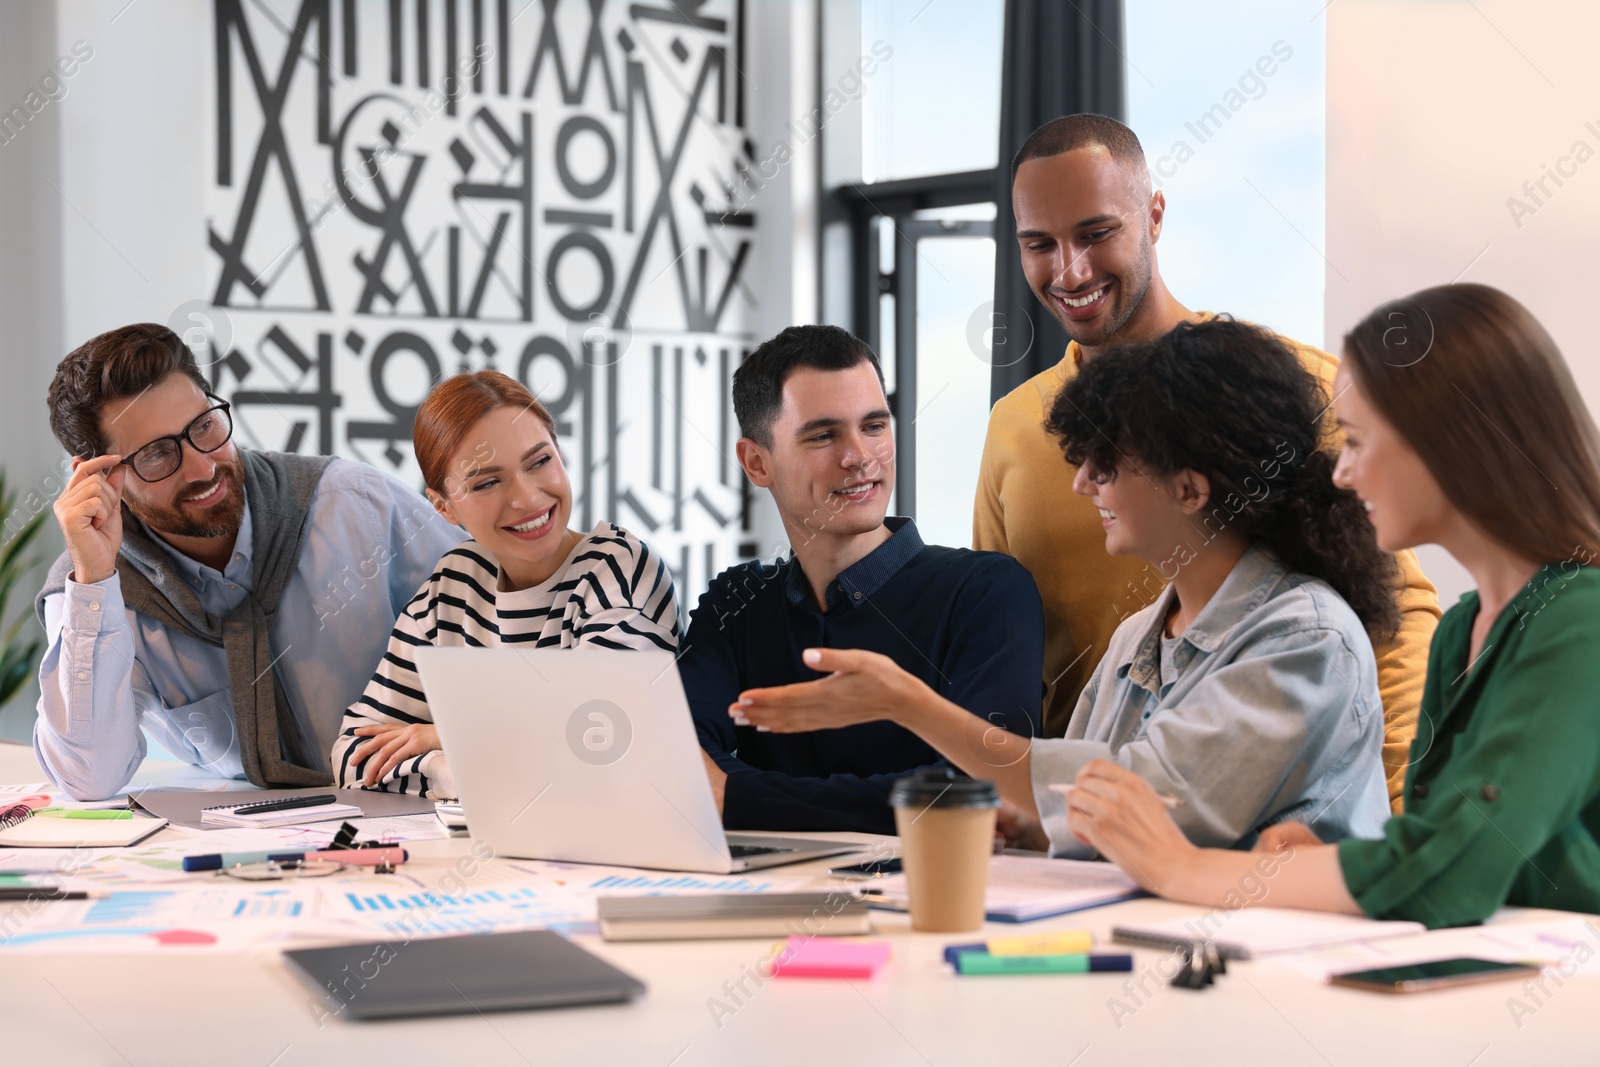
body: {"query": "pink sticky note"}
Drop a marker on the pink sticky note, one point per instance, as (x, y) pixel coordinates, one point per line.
(826, 957)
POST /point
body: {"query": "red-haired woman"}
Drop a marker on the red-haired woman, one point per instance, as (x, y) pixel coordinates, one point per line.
(487, 449)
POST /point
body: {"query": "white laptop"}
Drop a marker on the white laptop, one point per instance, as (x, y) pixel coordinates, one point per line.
(590, 756)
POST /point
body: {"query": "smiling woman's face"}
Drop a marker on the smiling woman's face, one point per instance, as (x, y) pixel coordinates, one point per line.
(1404, 504)
(1143, 515)
(507, 485)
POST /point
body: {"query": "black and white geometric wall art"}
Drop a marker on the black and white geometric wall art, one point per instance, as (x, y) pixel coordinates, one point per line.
(557, 189)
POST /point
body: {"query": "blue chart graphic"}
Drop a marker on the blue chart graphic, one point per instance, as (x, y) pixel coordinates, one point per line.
(124, 908)
(444, 913)
(679, 882)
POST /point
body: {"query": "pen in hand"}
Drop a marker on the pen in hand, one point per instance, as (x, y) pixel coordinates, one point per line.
(1171, 800)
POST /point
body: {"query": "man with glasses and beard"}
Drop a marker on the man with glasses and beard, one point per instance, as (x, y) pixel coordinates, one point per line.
(229, 601)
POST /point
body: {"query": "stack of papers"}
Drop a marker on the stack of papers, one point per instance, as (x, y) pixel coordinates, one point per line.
(1024, 888)
(1571, 945)
(153, 907)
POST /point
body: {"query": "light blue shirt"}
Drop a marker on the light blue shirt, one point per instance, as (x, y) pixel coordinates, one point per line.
(1264, 710)
(370, 542)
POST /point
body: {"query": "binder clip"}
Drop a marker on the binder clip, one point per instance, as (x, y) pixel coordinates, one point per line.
(1200, 967)
(345, 839)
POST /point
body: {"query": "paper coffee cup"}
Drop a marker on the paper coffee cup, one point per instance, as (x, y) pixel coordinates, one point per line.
(946, 825)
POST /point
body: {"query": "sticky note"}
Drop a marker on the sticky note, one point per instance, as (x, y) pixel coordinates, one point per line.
(827, 957)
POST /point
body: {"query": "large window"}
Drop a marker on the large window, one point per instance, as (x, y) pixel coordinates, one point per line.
(1230, 103)
(909, 245)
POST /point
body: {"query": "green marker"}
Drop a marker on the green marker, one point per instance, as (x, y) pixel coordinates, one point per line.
(1071, 963)
(84, 813)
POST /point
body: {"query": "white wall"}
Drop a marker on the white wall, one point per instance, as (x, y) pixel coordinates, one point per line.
(1438, 113)
(108, 192)
(30, 280)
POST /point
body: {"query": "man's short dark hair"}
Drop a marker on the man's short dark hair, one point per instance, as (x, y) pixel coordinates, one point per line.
(121, 363)
(758, 383)
(1080, 131)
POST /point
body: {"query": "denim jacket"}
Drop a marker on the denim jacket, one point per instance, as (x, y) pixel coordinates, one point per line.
(1264, 710)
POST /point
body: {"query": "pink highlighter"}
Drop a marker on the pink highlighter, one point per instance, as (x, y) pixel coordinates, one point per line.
(827, 957)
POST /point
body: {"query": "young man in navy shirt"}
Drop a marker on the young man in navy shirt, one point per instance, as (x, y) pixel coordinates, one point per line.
(817, 435)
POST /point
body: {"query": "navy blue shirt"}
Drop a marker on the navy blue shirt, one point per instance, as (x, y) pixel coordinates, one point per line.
(967, 623)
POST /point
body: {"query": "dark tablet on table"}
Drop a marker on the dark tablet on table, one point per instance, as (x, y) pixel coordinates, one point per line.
(450, 975)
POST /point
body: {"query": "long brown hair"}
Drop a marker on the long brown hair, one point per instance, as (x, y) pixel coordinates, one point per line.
(1477, 388)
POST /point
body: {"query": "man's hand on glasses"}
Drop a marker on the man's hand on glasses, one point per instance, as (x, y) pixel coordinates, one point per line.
(89, 510)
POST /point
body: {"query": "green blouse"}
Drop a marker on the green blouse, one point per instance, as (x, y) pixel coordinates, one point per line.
(1502, 794)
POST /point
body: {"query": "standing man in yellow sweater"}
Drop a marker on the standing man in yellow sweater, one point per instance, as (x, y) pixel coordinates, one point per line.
(1087, 226)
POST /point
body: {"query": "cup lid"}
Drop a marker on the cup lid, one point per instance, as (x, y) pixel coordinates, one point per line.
(943, 787)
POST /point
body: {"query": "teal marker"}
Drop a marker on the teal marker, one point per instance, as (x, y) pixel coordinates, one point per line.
(1071, 963)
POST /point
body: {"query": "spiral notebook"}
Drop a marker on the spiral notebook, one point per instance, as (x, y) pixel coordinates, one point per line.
(227, 815)
(184, 807)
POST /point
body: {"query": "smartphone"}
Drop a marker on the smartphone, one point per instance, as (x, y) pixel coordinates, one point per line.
(871, 869)
(1434, 974)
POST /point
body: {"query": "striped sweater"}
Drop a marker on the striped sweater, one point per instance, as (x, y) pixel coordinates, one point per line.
(611, 592)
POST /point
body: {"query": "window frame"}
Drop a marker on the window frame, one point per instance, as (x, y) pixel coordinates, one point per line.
(860, 206)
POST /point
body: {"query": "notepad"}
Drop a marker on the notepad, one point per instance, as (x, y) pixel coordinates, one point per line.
(1024, 888)
(78, 833)
(226, 815)
(1251, 933)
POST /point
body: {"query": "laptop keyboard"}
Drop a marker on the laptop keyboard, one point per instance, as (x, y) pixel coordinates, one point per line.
(742, 852)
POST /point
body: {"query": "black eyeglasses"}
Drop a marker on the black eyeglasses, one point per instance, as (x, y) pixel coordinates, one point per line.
(162, 457)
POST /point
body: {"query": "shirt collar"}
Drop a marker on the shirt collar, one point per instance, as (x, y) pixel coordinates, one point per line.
(1074, 358)
(1244, 590)
(193, 571)
(857, 583)
(1546, 583)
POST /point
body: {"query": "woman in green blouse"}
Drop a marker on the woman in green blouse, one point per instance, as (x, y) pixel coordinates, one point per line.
(1464, 429)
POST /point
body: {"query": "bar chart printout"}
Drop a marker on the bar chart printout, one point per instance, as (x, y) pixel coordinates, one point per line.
(430, 912)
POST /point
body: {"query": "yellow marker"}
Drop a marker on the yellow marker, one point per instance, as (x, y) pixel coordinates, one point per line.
(1060, 943)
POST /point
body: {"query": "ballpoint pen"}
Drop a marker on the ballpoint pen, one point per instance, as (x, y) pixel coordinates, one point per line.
(260, 807)
(12, 894)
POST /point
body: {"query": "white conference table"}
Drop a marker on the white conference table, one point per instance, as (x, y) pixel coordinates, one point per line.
(251, 1011)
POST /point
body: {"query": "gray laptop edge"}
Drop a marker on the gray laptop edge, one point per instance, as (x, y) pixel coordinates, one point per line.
(589, 756)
